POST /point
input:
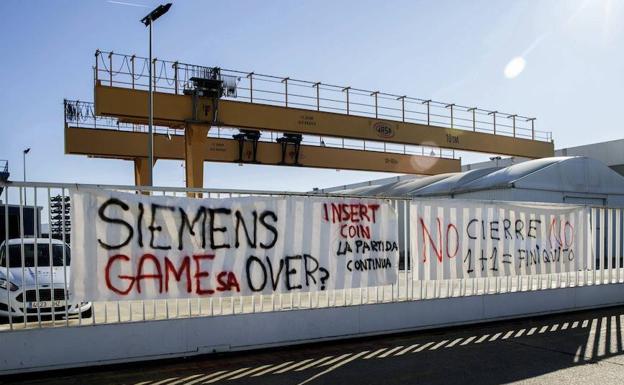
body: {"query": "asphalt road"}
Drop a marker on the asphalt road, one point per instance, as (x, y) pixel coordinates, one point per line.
(575, 348)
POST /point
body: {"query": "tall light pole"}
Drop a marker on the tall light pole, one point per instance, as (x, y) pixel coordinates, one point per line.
(148, 20)
(26, 151)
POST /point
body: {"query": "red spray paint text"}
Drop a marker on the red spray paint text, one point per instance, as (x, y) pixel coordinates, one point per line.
(166, 274)
(351, 217)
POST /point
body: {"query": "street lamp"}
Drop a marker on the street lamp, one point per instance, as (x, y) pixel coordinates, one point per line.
(26, 151)
(148, 20)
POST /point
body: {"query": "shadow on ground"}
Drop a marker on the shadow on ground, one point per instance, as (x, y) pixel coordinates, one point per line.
(584, 347)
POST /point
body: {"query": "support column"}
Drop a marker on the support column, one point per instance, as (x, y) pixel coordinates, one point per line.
(194, 145)
(141, 171)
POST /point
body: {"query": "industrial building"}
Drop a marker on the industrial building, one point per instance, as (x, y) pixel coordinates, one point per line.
(560, 179)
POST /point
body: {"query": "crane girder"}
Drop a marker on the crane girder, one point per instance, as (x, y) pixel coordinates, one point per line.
(129, 145)
(174, 110)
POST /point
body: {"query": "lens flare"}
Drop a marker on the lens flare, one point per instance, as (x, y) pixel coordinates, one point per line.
(515, 67)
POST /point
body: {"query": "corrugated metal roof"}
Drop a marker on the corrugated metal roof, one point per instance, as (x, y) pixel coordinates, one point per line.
(559, 174)
(505, 177)
(406, 187)
(453, 183)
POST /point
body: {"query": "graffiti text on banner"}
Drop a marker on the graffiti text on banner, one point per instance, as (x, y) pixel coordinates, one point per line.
(132, 246)
(459, 239)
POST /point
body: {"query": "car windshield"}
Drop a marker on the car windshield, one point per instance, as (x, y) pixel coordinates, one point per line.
(43, 255)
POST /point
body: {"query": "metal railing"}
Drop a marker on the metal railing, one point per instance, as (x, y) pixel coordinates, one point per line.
(81, 114)
(131, 71)
(606, 224)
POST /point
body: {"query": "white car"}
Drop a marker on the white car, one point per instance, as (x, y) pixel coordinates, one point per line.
(32, 287)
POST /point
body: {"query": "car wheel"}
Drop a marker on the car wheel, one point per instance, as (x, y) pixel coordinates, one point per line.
(87, 313)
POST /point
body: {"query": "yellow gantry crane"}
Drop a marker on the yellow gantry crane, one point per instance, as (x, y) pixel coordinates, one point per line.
(211, 114)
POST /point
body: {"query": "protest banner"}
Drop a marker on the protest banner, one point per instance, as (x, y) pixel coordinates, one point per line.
(134, 246)
(451, 239)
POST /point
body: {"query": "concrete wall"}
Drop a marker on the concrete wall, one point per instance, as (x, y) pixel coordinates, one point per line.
(43, 349)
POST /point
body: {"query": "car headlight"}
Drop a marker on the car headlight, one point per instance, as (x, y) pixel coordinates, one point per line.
(11, 286)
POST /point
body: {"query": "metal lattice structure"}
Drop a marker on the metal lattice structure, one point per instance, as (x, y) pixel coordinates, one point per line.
(60, 222)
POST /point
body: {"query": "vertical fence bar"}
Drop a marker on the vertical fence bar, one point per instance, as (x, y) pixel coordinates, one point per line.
(154, 76)
(609, 253)
(603, 259)
(36, 254)
(395, 205)
(474, 118)
(406, 258)
(594, 235)
(402, 98)
(50, 252)
(513, 124)
(318, 95)
(110, 68)
(428, 102)
(250, 76)
(618, 244)
(97, 65)
(175, 76)
(451, 107)
(64, 236)
(532, 120)
(285, 81)
(346, 89)
(6, 253)
(132, 69)
(375, 95)
(493, 113)
(21, 219)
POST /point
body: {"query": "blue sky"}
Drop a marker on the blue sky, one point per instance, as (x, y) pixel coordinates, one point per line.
(453, 51)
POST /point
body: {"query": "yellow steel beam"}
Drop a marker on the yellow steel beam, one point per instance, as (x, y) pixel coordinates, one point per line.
(195, 141)
(131, 145)
(141, 171)
(174, 110)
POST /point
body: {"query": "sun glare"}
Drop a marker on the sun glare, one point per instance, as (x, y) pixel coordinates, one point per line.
(515, 67)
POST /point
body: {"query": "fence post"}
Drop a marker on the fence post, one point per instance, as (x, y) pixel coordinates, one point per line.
(97, 67)
(132, 70)
(285, 81)
(346, 89)
(532, 120)
(250, 76)
(493, 113)
(474, 119)
(375, 94)
(110, 67)
(175, 76)
(451, 106)
(154, 76)
(513, 124)
(318, 96)
(427, 102)
(402, 107)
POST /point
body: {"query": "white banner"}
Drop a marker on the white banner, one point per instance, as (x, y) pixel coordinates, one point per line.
(452, 239)
(132, 246)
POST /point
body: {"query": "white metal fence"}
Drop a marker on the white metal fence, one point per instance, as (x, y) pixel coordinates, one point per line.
(25, 206)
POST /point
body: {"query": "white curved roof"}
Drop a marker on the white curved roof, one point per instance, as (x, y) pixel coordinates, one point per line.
(406, 187)
(557, 174)
(565, 173)
(362, 190)
(453, 183)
